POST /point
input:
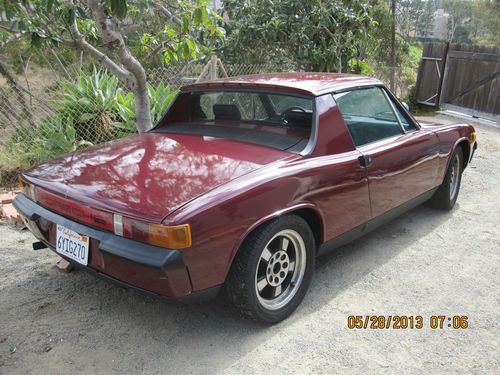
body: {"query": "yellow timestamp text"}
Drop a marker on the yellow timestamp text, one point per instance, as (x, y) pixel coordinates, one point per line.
(407, 322)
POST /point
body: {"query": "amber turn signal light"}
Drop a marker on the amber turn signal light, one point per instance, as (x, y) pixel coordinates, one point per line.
(175, 237)
(472, 137)
(171, 237)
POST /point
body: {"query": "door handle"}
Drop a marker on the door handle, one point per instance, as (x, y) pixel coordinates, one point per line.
(365, 160)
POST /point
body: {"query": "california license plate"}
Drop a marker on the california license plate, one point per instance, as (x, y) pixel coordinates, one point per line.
(72, 245)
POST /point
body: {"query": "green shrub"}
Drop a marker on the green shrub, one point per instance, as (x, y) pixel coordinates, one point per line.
(54, 136)
(92, 110)
(160, 98)
(361, 67)
(90, 103)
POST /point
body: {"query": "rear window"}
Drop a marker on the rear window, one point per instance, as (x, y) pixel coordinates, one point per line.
(272, 119)
(249, 107)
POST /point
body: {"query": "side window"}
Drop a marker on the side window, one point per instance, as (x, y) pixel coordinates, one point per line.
(368, 115)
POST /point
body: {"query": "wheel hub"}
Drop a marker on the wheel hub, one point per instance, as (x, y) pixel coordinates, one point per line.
(277, 268)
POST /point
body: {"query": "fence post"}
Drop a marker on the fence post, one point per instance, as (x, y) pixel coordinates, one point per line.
(213, 67)
(441, 76)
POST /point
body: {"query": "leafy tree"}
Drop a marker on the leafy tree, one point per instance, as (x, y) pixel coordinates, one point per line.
(317, 35)
(425, 20)
(98, 27)
(487, 16)
(474, 21)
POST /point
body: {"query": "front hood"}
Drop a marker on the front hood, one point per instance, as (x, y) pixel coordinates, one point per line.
(148, 176)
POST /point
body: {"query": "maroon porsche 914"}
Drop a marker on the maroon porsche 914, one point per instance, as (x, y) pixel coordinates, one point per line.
(241, 185)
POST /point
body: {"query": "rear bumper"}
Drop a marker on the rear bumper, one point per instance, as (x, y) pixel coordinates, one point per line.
(134, 251)
(149, 269)
(474, 148)
(198, 296)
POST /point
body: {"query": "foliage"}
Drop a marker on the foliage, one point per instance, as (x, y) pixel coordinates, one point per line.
(315, 35)
(161, 96)
(376, 46)
(415, 17)
(181, 29)
(89, 104)
(92, 110)
(54, 136)
(361, 67)
(100, 110)
(476, 21)
(176, 29)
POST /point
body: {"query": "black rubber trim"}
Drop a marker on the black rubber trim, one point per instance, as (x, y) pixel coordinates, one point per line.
(148, 255)
(474, 148)
(370, 225)
(198, 296)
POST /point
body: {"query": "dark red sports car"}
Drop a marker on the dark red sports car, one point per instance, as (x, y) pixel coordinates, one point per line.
(242, 184)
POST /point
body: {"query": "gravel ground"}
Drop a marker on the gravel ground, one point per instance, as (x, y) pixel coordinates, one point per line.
(425, 263)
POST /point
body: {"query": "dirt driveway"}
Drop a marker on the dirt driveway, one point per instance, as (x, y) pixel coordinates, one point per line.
(424, 263)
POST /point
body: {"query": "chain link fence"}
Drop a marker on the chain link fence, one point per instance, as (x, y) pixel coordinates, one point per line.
(43, 115)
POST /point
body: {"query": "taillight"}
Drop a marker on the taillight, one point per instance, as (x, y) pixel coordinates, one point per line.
(168, 236)
(27, 189)
(87, 215)
(172, 237)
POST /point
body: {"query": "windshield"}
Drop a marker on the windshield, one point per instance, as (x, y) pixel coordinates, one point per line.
(275, 120)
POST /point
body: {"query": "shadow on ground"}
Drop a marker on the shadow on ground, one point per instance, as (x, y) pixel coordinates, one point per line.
(126, 330)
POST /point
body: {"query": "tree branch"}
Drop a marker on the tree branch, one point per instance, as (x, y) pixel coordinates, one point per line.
(80, 42)
(162, 8)
(7, 29)
(136, 79)
(12, 82)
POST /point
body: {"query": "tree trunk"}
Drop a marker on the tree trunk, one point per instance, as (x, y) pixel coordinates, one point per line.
(142, 108)
(12, 82)
(130, 71)
(393, 46)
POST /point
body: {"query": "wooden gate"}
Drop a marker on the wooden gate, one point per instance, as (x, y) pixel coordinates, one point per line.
(464, 79)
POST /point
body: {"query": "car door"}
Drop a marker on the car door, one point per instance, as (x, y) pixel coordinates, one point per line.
(400, 158)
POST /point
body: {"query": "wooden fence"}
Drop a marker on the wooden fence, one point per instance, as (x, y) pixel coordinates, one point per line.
(462, 78)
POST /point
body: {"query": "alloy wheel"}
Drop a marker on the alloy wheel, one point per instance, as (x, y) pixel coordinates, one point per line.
(454, 176)
(280, 269)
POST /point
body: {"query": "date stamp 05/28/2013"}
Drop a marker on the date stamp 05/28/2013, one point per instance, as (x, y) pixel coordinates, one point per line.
(407, 322)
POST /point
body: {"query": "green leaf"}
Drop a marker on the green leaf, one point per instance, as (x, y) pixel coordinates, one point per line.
(70, 132)
(185, 24)
(49, 5)
(84, 117)
(21, 26)
(119, 8)
(36, 40)
(168, 56)
(186, 51)
(198, 16)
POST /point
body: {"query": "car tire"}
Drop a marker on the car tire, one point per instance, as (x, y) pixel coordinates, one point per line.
(272, 270)
(447, 193)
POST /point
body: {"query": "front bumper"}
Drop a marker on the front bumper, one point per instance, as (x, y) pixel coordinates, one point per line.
(149, 269)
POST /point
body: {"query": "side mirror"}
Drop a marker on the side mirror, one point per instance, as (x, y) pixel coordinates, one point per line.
(406, 106)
